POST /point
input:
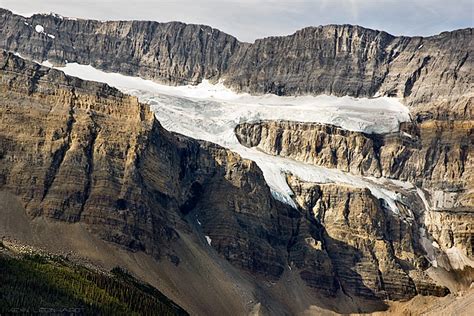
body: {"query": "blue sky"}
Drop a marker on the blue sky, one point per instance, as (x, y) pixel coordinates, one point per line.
(251, 19)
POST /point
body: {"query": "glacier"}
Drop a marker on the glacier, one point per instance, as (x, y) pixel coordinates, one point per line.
(211, 112)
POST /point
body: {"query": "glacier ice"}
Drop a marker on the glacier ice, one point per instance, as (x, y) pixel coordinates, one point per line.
(211, 112)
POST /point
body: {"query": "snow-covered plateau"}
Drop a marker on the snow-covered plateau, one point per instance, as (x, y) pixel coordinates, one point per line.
(211, 112)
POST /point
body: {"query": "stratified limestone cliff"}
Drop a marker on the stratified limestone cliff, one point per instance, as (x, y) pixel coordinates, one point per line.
(79, 151)
(352, 60)
(429, 73)
(69, 149)
(75, 151)
(374, 252)
(173, 53)
(318, 144)
(333, 59)
(435, 155)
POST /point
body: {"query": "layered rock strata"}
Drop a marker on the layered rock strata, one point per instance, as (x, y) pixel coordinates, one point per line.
(437, 156)
(429, 153)
(374, 252)
(81, 152)
(432, 73)
(174, 53)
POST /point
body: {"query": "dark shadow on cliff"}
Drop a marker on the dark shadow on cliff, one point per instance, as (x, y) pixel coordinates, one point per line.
(328, 266)
(258, 234)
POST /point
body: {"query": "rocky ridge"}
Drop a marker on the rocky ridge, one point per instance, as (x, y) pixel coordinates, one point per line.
(432, 73)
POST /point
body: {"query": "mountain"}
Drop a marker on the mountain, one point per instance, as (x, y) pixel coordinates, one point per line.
(332, 59)
(89, 171)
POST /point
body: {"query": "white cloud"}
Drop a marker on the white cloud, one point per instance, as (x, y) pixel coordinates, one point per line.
(251, 19)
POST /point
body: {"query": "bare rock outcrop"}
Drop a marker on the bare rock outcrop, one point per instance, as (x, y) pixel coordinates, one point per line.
(437, 156)
(79, 151)
(432, 74)
(318, 144)
(172, 53)
(374, 252)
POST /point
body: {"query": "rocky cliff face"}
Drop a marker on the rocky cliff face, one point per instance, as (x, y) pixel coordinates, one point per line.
(319, 144)
(81, 152)
(374, 252)
(435, 155)
(432, 153)
(352, 60)
(333, 59)
(69, 149)
(78, 151)
(173, 53)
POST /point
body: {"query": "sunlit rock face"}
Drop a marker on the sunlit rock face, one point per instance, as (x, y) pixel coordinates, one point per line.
(333, 59)
(319, 144)
(374, 252)
(79, 151)
(434, 155)
(356, 201)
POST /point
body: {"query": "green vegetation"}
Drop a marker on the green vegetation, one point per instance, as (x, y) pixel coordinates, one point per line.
(36, 283)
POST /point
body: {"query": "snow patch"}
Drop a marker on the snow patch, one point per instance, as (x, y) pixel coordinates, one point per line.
(209, 240)
(443, 200)
(457, 259)
(47, 63)
(199, 223)
(39, 28)
(57, 15)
